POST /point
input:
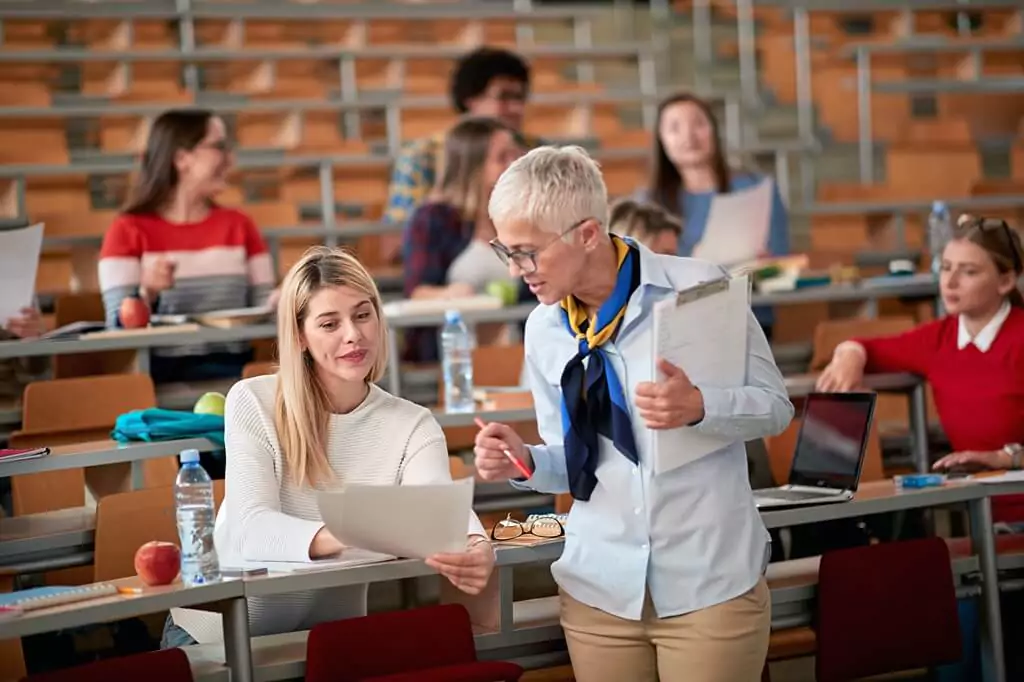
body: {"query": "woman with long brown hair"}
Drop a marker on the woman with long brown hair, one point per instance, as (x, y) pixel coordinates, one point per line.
(973, 358)
(178, 250)
(689, 168)
(447, 254)
(319, 423)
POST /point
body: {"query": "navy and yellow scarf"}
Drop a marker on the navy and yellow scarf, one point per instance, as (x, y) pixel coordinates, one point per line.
(593, 400)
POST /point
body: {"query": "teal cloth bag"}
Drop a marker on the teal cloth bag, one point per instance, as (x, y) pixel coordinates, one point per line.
(155, 424)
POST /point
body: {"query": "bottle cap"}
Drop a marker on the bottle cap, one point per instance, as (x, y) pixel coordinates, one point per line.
(189, 456)
(939, 207)
(451, 316)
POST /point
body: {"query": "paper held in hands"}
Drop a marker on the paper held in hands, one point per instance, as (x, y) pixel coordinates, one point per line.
(737, 226)
(703, 331)
(410, 521)
(19, 261)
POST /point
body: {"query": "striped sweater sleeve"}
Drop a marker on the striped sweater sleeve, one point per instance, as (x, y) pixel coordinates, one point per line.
(259, 265)
(120, 266)
(253, 489)
(426, 462)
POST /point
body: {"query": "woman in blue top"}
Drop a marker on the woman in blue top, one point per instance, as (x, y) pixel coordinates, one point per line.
(690, 168)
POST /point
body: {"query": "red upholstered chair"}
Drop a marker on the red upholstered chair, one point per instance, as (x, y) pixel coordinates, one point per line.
(168, 665)
(425, 644)
(886, 608)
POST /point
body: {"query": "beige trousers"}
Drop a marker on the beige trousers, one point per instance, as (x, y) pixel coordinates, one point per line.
(727, 642)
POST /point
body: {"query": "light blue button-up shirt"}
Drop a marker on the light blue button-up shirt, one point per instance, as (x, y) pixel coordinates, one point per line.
(693, 535)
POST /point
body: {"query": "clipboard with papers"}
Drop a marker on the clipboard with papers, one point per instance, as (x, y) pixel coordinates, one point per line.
(703, 331)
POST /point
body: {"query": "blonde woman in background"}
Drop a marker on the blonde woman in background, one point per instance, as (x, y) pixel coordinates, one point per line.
(319, 423)
(647, 223)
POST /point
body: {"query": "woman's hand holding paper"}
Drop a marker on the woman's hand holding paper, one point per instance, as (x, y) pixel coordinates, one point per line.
(470, 570)
(670, 403)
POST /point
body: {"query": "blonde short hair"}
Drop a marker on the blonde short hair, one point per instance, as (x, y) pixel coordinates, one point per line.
(552, 188)
(302, 410)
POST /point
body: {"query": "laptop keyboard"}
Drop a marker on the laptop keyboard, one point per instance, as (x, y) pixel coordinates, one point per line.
(775, 494)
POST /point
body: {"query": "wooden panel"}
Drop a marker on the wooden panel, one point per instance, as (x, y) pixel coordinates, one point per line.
(33, 141)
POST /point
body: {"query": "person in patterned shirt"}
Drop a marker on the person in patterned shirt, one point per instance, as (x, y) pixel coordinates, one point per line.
(487, 82)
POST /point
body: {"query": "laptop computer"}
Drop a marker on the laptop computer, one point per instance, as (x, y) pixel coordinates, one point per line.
(829, 452)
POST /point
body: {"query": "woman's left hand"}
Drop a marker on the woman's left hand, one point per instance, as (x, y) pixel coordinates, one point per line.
(470, 570)
(971, 460)
(670, 403)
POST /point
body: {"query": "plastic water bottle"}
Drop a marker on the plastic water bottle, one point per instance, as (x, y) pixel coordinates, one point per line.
(940, 231)
(457, 363)
(193, 502)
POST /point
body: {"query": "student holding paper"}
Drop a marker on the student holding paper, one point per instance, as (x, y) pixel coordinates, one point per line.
(690, 168)
(662, 575)
(321, 422)
(973, 357)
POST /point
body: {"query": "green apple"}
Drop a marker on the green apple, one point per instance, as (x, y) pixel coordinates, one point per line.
(503, 290)
(210, 403)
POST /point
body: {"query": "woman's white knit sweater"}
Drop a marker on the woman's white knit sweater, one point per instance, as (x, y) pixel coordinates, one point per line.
(266, 517)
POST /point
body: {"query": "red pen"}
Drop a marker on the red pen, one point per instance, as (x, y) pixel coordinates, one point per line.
(512, 458)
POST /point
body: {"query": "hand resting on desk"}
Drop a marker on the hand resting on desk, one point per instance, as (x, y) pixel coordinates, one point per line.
(971, 460)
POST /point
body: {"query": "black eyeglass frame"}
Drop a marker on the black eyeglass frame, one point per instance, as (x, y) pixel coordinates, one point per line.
(526, 527)
(522, 258)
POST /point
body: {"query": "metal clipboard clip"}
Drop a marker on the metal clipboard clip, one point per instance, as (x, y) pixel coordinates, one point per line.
(710, 288)
(703, 290)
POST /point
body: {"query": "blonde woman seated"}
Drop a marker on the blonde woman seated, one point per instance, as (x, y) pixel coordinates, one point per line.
(321, 422)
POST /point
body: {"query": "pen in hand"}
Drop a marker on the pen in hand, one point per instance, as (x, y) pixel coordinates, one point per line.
(512, 458)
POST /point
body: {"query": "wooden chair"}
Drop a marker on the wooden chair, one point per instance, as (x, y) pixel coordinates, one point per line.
(258, 369)
(492, 366)
(126, 521)
(891, 411)
(86, 307)
(67, 411)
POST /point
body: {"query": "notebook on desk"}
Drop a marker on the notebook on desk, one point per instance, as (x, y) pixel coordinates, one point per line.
(19, 454)
(829, 453)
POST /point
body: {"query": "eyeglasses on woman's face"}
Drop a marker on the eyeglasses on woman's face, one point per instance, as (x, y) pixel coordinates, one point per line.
(525, 260)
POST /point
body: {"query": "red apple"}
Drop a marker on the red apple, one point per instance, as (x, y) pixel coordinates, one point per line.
(134, 313)
(158, 563)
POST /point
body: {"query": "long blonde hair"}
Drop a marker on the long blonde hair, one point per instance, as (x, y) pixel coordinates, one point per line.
(302, 410)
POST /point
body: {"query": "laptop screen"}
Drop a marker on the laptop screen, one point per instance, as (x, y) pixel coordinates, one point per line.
(832, 441)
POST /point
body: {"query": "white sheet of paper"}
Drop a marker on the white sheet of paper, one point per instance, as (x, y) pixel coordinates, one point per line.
(736, 230)
(350, 557)
(411, 521)
(707, 339)
(19, 261)
(1008, 477)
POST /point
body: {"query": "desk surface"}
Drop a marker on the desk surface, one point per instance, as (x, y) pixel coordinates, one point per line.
(100, 453)
(117, 607)
(833, 293)
(873, 498)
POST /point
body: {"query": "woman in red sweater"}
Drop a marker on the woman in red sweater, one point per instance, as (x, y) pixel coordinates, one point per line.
(175, 247)
(973, 357)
